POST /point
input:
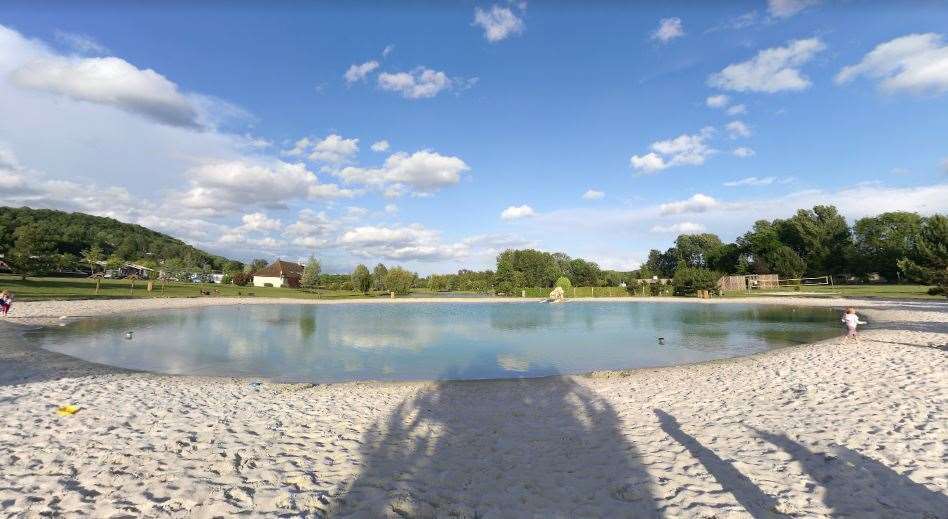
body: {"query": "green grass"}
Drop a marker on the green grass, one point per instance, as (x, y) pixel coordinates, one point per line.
(42, 289)
(880, 291)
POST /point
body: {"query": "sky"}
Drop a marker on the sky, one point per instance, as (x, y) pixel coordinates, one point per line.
(435, 135)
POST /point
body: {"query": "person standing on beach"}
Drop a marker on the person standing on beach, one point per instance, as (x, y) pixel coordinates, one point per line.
(6, 301)
(852, 321)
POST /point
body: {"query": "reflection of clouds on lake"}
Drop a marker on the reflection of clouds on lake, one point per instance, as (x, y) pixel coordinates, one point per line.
(513, 363)
(409, 339)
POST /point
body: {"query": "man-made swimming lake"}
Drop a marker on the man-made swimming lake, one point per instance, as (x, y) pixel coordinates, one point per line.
(426, 341)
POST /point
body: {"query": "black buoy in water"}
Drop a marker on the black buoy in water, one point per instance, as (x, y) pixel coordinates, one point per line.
(661, 341)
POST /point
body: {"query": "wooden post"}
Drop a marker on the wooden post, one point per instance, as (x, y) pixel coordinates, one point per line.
(392, 294)
(97, 281)
(523, 293)
(151, 286)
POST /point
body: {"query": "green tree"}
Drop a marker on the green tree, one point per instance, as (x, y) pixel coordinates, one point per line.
(821, 237)
(32, 251)
(882, 241)
(310, 278)
(378, 277)
(536, 268)
(91, 257)
(786, 263)
(583, 273)
(399, 280)
(689, 280)
(698, 250)
(564, 283)
(361, 279)
(930, 265)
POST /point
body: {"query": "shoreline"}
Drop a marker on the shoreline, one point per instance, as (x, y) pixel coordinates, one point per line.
(778, 432)
(51, 312)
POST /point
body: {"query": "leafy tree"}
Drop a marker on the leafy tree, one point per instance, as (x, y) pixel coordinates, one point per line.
(310, 278)
(786, 263)
(92, 256)
(564, 283)
(535, 268)
(698, 250)
(931, 252)
(378, 276)
(689, 280)
(361, 279)
(256, 264)
(821, 237)
(32, 251)
(583, 273)
(399, 280)
(882, 241)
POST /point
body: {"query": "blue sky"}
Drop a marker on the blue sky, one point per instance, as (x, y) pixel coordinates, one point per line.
(601, 130)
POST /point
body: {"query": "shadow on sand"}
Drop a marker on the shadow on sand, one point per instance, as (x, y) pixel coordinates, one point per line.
(857, 486)
(504, 448)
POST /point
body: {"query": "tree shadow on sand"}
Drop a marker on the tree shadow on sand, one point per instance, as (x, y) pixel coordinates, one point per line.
(757, 503)
(502, 448)
(858, 486)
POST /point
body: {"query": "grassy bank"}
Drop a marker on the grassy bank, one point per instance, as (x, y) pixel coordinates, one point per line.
(880, 291)
(42, 289)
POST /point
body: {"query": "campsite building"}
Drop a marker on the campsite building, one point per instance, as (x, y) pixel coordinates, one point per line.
(279, 274)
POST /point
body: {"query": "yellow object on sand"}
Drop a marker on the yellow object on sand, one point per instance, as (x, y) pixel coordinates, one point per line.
(67, 410)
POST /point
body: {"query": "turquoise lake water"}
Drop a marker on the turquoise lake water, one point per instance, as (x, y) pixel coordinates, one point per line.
(426, 341)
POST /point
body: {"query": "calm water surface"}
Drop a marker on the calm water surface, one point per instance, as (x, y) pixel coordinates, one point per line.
(332, 343)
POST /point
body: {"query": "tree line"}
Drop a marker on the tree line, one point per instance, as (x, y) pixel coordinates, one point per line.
(42, 241)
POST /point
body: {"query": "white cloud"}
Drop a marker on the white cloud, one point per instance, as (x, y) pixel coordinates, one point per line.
(788, 8)
(419, 83)
(679, 228)
(686, 149)
(108, 81)
(743, 152)
(717, 101)
(517, 212)
(260, 222)
(387, 50)
(698, 203)
(915, 63)
(592, 194)
(736, 110)
(751, 181)
(412, 242)
(498, 23)
(80, 43)
(668, 30)
(944, 165)
(333, 149)
(737, 129)
(391, 208)
(424, 171)
(239, 184)
(380, 146)
(358, 72)
(771, 70)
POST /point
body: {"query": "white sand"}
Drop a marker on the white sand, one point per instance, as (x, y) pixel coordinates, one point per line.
(811, 431)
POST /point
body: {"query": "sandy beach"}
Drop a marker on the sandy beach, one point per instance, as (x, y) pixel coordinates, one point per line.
(819, 430)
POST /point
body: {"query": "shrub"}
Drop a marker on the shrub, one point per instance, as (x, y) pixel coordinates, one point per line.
(361, 279)
(399, 280)
(564, 283)
(241, 279)
(688, 281)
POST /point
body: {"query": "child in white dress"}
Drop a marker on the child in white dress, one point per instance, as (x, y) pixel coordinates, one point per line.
(852, 321)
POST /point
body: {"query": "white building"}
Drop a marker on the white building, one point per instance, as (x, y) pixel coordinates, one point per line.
(279, 274)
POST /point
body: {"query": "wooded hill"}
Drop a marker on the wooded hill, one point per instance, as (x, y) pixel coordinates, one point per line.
(63, 237)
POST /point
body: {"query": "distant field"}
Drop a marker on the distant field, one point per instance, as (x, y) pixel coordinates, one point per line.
(881, 291)
(41, 289)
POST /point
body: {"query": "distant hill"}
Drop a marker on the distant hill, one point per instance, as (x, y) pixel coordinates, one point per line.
(71, 233)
